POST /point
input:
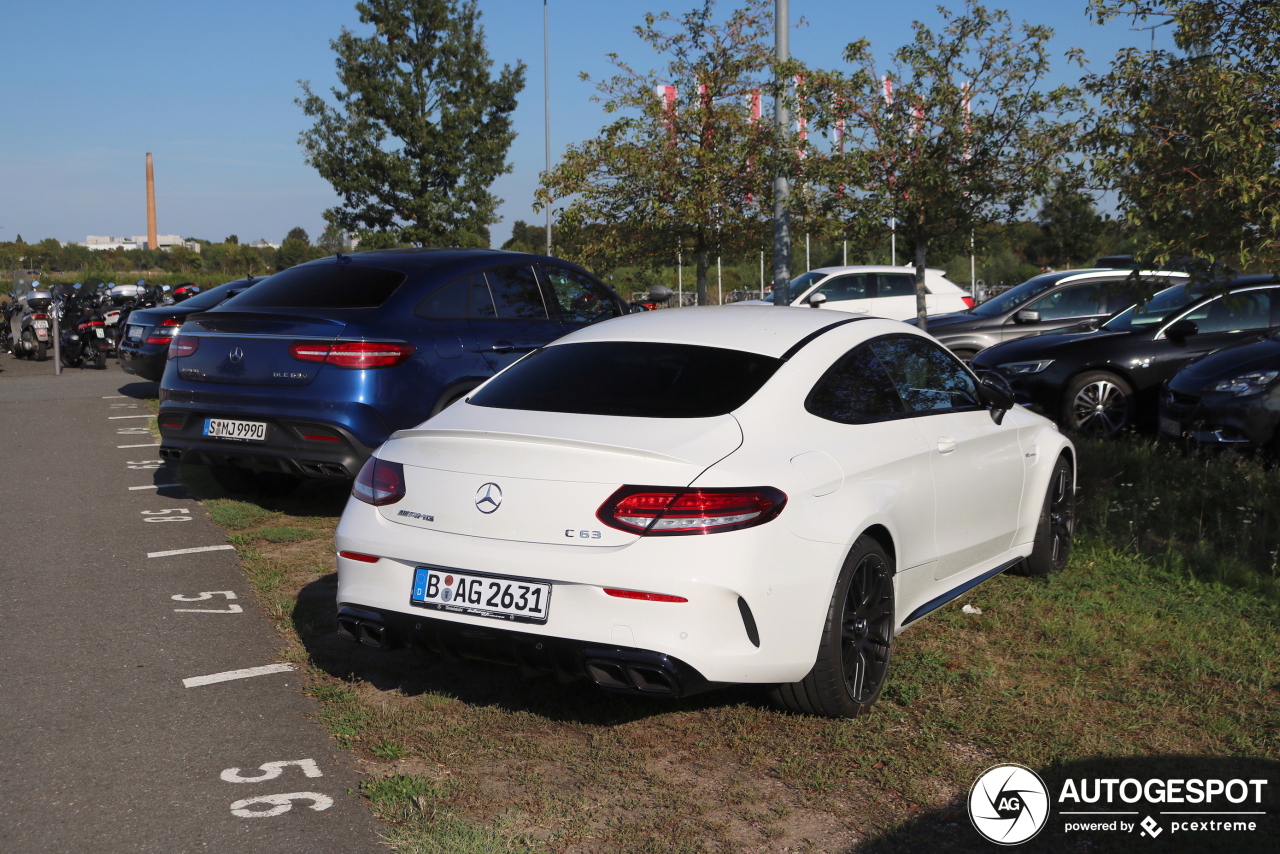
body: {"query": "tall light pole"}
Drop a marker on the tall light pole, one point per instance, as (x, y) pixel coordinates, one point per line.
(546, 105)
(781, 190)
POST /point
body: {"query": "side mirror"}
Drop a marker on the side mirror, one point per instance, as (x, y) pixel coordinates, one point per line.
(817, 300)
(1181, 330)
(1087, 325)
(997, 394)
(1027, 316)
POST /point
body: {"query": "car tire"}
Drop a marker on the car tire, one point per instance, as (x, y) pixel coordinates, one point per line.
(1098, 404)
(857, 640)
(1056, 527)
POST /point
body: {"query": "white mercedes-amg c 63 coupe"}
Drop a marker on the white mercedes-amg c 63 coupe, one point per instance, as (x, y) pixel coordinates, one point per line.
(677, 500)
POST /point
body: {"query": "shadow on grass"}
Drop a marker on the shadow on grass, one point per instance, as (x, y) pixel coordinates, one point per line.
(414, 673)
(949, 829)
(312, 498)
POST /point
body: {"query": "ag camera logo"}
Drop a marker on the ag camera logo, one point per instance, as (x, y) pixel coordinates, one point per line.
(1009, 804)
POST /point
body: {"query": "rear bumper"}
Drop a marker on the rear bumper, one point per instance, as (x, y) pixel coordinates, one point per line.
(624, 670)
(146, 361)
(785, 582)
(292, 446)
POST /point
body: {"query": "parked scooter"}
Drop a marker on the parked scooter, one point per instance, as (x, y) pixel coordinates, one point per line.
(34, 335)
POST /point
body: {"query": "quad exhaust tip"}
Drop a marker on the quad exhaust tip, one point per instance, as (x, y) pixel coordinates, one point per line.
(363, 630)
(643, 676)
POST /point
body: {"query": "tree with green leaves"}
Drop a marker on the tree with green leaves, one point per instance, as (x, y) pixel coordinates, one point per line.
(1189, 139)
(420, 128)
(686, 168)
(958, 134)
(1070, 228)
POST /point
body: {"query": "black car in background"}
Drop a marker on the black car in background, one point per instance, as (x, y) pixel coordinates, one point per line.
(1229, 398)
(144, 342)
(1098, 383)
(1046, 303)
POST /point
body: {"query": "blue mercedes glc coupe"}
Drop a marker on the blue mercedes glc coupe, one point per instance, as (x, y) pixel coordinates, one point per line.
(305, 374)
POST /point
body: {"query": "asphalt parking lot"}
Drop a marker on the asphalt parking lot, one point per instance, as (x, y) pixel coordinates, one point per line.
(144, 706)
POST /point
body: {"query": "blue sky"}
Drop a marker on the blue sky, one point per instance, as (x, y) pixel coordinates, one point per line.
(209, 88)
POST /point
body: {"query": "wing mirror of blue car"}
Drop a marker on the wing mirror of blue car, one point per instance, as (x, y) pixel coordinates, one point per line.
(1027, 316)
(997, 394)
(1180, 330)
(817, 300)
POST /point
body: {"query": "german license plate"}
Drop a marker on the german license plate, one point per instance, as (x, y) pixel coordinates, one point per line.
(134, 333)
(1169, 427)
(40, 324)
(245, 431)
(497, 597)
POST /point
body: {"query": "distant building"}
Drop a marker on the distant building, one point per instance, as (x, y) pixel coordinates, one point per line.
(139, 241)
(263, 244)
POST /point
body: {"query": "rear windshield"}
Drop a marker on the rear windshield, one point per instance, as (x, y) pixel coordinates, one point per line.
(636, 379)
(324, 286)
(213, 296)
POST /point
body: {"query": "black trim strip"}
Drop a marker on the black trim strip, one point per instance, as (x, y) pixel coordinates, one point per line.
(935, 604)
(796, 347)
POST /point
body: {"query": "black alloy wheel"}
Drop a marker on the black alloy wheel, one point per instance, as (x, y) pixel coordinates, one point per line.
(1098, 405)
(1057, 524)
(857, 640)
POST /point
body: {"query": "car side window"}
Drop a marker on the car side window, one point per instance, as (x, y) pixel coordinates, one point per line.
(1075, 301)
(464, 297)
(853, 286)
(855, 390)
(895, 285)
(516, 295)
(927, 377)
(1234, 313)
(581, 299)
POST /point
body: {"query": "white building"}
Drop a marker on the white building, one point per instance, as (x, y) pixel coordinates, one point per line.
(138, 241)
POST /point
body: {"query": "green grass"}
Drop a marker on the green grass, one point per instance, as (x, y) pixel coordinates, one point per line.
(1160, 642)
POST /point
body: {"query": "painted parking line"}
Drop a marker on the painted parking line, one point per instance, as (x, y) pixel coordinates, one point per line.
(153, 486)
(112, 396)
(196, 550)
(229, 675)
(121, 417)
(151, 445)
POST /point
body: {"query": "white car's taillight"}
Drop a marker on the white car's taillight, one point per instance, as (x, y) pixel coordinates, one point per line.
(655, 511)
(379, 482)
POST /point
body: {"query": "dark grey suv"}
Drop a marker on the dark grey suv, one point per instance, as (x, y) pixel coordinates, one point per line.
(1047, 303)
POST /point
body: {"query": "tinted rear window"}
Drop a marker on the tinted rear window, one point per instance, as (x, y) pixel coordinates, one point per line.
(326, 286)
(212, 297)
(630, 378)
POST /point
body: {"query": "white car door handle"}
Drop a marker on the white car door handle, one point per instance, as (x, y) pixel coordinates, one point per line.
(946, 444)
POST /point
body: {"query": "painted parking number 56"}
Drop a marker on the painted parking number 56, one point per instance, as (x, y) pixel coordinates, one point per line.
(275, 804)
(165, 515)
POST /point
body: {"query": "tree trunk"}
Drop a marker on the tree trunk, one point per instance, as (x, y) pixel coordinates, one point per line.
(921, 314)
(700, 254)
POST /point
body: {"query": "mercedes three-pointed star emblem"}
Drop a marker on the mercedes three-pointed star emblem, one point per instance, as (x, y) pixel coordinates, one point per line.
(236, 355)
(488, 498)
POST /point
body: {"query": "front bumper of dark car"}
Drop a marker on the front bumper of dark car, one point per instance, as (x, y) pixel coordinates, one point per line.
(1219, 418)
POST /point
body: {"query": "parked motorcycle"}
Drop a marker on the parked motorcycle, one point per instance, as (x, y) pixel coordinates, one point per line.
(13, 307)
(84, 338)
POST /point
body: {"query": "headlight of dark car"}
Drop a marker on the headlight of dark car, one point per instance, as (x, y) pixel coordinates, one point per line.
(1018, 369)
(1253, 382)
